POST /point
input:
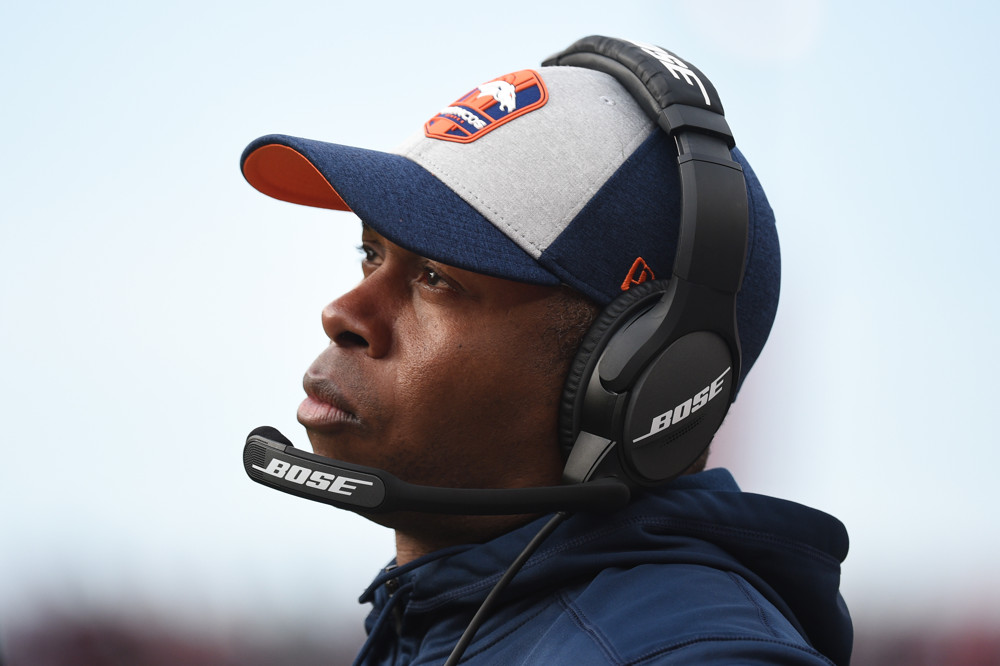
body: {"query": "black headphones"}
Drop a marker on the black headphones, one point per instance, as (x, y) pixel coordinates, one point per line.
(655, 374)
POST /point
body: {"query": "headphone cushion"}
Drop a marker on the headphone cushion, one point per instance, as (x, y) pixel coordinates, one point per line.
(607, 322)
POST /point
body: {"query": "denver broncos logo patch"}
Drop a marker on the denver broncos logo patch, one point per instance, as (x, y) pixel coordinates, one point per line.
(489, 106)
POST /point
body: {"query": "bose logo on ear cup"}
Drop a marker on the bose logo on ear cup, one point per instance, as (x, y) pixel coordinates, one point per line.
(686, 408)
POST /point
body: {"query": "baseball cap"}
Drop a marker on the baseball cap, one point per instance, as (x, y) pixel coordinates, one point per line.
(548, 176)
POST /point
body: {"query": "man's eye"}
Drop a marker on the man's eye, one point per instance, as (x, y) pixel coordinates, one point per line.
(433, 278)
(367, 253)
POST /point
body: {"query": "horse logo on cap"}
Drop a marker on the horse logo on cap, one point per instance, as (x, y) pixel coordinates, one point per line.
(488, 106)
(502, 92)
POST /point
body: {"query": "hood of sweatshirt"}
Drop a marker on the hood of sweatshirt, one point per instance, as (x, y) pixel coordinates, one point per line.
(789, 552)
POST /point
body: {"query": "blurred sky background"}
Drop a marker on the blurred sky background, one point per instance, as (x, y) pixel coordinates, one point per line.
(156, 308)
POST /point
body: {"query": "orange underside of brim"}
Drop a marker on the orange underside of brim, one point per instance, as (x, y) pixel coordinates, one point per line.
(285, 173)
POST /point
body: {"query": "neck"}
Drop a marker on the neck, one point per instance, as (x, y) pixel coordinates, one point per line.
(436, 532)
(409, 548)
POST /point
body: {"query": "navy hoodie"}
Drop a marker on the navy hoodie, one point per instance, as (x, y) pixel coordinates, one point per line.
(696, 572)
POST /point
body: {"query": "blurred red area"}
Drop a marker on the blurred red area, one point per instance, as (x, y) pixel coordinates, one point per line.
(928, 646)
(104, 641)
(95, 641)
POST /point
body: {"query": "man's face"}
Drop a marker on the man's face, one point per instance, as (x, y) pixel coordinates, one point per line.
(438, 375)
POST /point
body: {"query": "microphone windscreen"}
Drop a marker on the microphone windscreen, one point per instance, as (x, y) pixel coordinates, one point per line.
(271, 433)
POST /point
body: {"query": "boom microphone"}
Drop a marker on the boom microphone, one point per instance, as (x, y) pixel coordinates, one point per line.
(270, 459)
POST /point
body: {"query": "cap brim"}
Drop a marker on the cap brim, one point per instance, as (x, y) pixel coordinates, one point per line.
(394, 196)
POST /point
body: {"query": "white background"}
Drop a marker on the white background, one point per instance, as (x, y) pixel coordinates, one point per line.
(155, 308)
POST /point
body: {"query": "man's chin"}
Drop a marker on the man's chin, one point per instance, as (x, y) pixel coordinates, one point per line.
(443, 530)
(331, 446)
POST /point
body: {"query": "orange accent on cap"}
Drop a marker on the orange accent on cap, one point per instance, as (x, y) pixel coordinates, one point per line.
(285, 173)
(639, 273)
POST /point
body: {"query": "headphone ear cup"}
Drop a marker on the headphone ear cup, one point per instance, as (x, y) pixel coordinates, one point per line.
(607, 322)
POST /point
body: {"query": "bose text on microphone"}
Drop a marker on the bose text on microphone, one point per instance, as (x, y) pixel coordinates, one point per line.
(269, 458)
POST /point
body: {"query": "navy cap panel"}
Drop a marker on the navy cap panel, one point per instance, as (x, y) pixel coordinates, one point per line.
(635, 214)
(643, 209)
(757, 302)
(412, 208)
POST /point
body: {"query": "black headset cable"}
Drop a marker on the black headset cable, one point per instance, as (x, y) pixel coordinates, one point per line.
(487, 606)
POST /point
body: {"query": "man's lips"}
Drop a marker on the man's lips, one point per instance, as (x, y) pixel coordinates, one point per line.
(324, 407)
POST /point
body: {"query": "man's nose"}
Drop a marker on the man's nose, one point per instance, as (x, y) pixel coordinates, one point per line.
(359, 319)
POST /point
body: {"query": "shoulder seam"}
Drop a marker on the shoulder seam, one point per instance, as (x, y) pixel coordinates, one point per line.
(580, 620)
(746, 588)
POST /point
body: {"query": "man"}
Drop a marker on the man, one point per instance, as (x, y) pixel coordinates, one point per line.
(490, 242)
